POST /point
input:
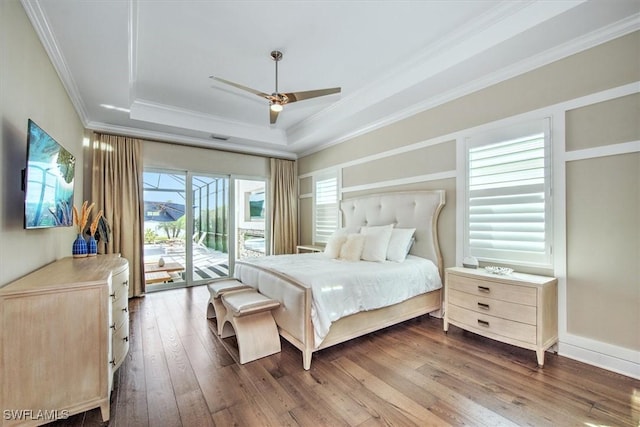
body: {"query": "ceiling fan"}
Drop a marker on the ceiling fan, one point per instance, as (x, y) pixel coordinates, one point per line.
(277, 100)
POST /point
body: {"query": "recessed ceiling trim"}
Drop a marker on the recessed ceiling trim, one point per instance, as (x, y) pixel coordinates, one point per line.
(149, 111)
(39, 22)
(499, 24)
(595, 38)
(190, 141)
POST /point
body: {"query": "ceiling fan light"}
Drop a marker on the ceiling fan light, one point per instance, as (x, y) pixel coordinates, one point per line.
(275, 106)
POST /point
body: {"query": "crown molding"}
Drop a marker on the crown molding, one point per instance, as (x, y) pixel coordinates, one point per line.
(580, 44)
(501, 23)
(190, 141)
(39, 22)
(168, 115)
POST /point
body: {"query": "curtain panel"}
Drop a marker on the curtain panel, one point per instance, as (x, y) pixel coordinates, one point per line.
(284, 207)
(116, 188)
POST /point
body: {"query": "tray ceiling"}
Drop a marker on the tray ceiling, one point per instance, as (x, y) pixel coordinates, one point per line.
(142, 68)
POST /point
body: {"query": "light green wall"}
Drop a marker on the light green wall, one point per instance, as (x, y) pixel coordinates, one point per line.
(30, 88)
(602, 296)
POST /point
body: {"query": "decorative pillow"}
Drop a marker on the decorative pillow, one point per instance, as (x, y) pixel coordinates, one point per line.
(376, 242)
(351, 249)
(400, 244)
(332, 250)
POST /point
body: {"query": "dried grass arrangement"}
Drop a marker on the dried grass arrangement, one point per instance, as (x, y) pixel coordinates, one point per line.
(94, 225)
(80, 219)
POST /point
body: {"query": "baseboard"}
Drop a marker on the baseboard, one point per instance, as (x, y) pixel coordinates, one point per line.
(602, 355)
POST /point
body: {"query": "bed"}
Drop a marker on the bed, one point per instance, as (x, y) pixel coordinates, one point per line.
(292, 279)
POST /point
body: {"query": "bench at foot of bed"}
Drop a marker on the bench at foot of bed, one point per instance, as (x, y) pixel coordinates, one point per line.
(215, 308)
(249, 312)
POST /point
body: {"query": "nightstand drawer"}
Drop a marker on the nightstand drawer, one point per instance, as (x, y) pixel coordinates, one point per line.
(490, 289)
(494, 307)
(487, 325)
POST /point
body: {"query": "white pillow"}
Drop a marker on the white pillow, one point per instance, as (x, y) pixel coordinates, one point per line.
(400, 244)
(376, 242)
(332, 250)
(352, 248)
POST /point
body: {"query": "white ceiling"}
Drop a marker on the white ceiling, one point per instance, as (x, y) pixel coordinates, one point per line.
(142, 67)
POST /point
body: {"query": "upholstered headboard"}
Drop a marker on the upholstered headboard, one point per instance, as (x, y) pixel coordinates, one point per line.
(419, 209)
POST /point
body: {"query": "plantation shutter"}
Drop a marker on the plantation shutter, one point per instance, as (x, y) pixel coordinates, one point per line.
(326, 207)
(507, 201)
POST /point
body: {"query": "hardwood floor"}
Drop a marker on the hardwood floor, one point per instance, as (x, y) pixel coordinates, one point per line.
(178, 373)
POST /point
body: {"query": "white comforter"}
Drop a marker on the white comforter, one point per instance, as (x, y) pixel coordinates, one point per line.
(340, 288)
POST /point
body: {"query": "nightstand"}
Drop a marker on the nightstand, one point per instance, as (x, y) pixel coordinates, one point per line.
(518, 309)
(301, 249)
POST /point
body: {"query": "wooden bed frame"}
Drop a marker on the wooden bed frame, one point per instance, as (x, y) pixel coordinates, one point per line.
(418, 209)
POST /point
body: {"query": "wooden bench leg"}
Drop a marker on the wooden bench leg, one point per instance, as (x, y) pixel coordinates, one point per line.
(211, 311)
(257, 335)
(224, 330)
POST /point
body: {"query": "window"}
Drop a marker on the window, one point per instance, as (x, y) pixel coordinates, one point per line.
(325, 206)
(508, 196)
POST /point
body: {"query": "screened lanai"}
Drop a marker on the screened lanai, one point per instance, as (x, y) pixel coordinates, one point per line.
(184, 247)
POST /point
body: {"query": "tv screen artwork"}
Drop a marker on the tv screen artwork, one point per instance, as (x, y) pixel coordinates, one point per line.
(48, 181)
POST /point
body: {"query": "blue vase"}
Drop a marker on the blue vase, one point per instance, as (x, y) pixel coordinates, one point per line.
(92, 246)
(79, 249)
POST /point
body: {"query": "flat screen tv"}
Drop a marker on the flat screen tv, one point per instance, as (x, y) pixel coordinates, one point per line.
(48, 181)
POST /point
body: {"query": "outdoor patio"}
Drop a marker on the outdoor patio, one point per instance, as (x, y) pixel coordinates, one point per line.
(207, 263)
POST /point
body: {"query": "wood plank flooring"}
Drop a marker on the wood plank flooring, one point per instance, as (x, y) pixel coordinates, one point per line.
(178, 373)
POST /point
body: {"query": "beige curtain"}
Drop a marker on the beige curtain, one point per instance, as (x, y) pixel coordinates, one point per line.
(284, 207)
(116, 188)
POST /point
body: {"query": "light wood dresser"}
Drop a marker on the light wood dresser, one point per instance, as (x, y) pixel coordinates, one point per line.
(62, 335)
(518, 309)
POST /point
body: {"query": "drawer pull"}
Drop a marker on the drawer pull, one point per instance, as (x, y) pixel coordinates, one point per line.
(125, 309)
(113, 362)
(126, 339)
(484, 289)
(113, 326)
(483, 306)
(113, 295)
(125, 283)
(483, 323)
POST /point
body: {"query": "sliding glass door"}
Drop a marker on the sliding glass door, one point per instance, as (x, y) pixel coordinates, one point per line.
(197, 225)
(186, 228)
(164, 228)
(210, 242)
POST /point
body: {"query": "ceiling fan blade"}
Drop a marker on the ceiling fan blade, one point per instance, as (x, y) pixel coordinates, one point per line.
(239, 86)
(273, 116)
(301, 96)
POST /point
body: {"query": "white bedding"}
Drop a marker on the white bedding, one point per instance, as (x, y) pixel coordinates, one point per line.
(341, 288)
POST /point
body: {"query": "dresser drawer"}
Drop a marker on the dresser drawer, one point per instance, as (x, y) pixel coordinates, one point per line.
(486, 324)
(119, 318)
(494, 307)
(120, 344)
(120, 300)
(489, 289)
(121, 279)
